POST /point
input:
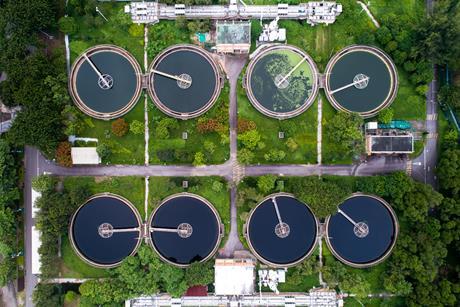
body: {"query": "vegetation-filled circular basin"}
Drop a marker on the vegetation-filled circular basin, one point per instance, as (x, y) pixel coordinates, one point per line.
(361, 80)
(185, 229)
(105, 82)
(273, 244)
(282, 81)
(363, 231)
(105, 247)
(184, 80)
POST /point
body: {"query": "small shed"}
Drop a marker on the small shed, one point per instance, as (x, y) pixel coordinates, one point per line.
(85, 155)
(234, 276)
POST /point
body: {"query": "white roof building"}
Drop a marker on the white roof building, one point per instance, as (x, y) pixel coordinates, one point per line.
(234, 276)
(36, 243)
(85, 155)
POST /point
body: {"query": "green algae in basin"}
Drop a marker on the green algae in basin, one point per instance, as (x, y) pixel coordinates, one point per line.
(281, 81)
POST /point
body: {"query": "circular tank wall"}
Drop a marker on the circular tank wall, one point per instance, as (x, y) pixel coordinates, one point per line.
(361, 79)
(184, 81)
(105, 230)
(363, 231)
(105, 82)
(281, 81)
(185, 228)
(281, 230)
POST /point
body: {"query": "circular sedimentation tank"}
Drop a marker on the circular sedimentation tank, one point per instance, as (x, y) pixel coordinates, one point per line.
(281, 81)
(105, 230)
(363, 232)
(361, 79)
(281, 230)
(185, 228)
(184, 81)
(105, 82)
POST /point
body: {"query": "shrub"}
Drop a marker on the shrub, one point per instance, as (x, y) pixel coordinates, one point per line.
(199, 159)
(250, 139)
(386, 116)
(64, 154)
(291, 144)
(209, 146)
(120, 127)
(266, 183)
(67, 25)
(136, 127)
(136, 30)
(217, 186)
(209, 125)
(245, 125)
(43, 183)
(104, 151)
(245, 156)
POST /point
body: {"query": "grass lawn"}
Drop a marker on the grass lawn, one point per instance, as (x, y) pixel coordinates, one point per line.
(373, 275)
(374, 302)
(418, 148)
(175, 150)
(331, 151)
(94, 30)
(130, 187)
(408, 105)
(301, 128)
(383, 7)
(308, 282)
(128, 149)
(162, 187)
(72, 266)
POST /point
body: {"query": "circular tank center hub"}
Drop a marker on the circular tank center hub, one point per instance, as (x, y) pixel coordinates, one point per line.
(184, 81)
(282, 230)
(105, 230)
(105, 81)
(361, 230)
(281, 81)
(184, 230)
(361, 81)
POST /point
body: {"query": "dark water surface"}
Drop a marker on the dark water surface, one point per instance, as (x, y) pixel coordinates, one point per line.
(198, 94)
(360, 62)
(85, 230)
(261, 230)
(200, 244)
(381, 230)
(124, 82)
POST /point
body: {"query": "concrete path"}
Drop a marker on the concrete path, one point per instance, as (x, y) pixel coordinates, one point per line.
(319, 132)
(33, 160)
(8, 294)
(146, 125)
(233, 66)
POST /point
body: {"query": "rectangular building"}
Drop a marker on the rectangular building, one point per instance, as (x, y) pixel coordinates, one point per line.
(390, 144)
(233, 37)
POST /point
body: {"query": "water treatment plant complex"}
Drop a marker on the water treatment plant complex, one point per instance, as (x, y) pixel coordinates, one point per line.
(230, 171)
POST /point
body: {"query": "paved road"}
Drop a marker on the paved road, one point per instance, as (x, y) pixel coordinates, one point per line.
(424, 166)
(33, 160)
